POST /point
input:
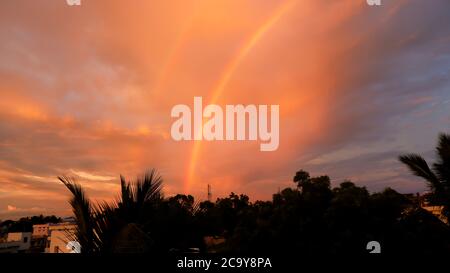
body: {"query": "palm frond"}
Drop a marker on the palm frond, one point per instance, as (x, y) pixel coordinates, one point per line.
(82, 209)
(148, 187)
(107, 224)
(442, 166)
(126, 194)
(418, 165)
(100, 226)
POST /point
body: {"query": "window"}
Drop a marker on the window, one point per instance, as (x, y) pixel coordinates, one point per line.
(25, 239)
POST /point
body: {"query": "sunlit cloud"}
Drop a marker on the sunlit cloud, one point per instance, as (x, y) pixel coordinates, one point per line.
(88, 92)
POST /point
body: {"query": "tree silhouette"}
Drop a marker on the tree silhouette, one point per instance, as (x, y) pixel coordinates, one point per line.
(437, 177)
(311, 218)
(107, 228)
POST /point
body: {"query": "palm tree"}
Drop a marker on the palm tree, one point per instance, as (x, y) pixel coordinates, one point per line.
(438, 176)
(117, 226)
(83, 211)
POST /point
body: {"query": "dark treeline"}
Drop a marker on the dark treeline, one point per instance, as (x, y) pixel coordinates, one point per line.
(25, 224)
(310, 217)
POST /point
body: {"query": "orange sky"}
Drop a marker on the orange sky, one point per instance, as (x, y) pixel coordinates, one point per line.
(87, 91)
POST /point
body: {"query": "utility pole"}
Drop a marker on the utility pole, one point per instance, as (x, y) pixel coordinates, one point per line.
(209, 193)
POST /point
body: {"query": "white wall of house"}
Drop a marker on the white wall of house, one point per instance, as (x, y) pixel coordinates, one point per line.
(60, 236)
(21, 239)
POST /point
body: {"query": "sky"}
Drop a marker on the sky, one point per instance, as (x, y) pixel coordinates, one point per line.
(86, 91)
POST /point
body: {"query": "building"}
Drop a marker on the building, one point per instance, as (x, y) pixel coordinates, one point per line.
(22, 239)
(41, 230)
(16, 242)
(39, 238)
(437, 211)
(433, 209)
(61, 238)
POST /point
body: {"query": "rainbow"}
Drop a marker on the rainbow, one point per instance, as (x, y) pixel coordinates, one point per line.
(227, 73)
(176, 49)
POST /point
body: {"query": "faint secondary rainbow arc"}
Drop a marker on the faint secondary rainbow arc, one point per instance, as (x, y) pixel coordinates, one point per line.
(229, 70)
(176, 49)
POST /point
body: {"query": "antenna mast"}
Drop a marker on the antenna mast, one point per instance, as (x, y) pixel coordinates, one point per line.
(209, 193)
